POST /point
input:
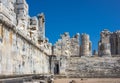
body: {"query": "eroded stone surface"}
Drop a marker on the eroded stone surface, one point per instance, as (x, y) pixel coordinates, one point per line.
(24, 49)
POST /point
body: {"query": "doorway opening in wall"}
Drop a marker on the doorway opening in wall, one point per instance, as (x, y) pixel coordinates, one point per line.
(56, 68)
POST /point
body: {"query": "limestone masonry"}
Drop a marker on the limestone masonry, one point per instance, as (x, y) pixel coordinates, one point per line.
(24, 48)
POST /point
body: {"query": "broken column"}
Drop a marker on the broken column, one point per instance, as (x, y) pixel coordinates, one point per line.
(75, 45)
(104, 44)
(41, 25)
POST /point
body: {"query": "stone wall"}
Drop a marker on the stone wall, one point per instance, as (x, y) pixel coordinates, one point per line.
(63, 45)
(24, 49)
(18, 55)
(93, 67)
(75, 45)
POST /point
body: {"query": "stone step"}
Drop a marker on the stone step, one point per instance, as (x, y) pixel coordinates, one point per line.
(60, 76)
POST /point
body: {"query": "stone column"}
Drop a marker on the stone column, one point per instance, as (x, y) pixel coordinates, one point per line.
(85, 45)
(41, 25)
(104, 44)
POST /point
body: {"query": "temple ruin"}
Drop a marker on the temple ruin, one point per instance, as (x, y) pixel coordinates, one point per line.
(24, 48)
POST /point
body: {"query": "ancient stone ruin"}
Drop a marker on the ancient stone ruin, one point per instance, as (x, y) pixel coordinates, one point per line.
(100, 64)
(24, 48)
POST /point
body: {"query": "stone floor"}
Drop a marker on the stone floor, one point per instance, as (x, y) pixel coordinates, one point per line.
(88, 80)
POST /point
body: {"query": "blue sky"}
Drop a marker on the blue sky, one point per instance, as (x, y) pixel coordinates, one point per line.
(73, 16)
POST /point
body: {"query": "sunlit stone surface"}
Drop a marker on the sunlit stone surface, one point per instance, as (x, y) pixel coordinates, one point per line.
(24, 48)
